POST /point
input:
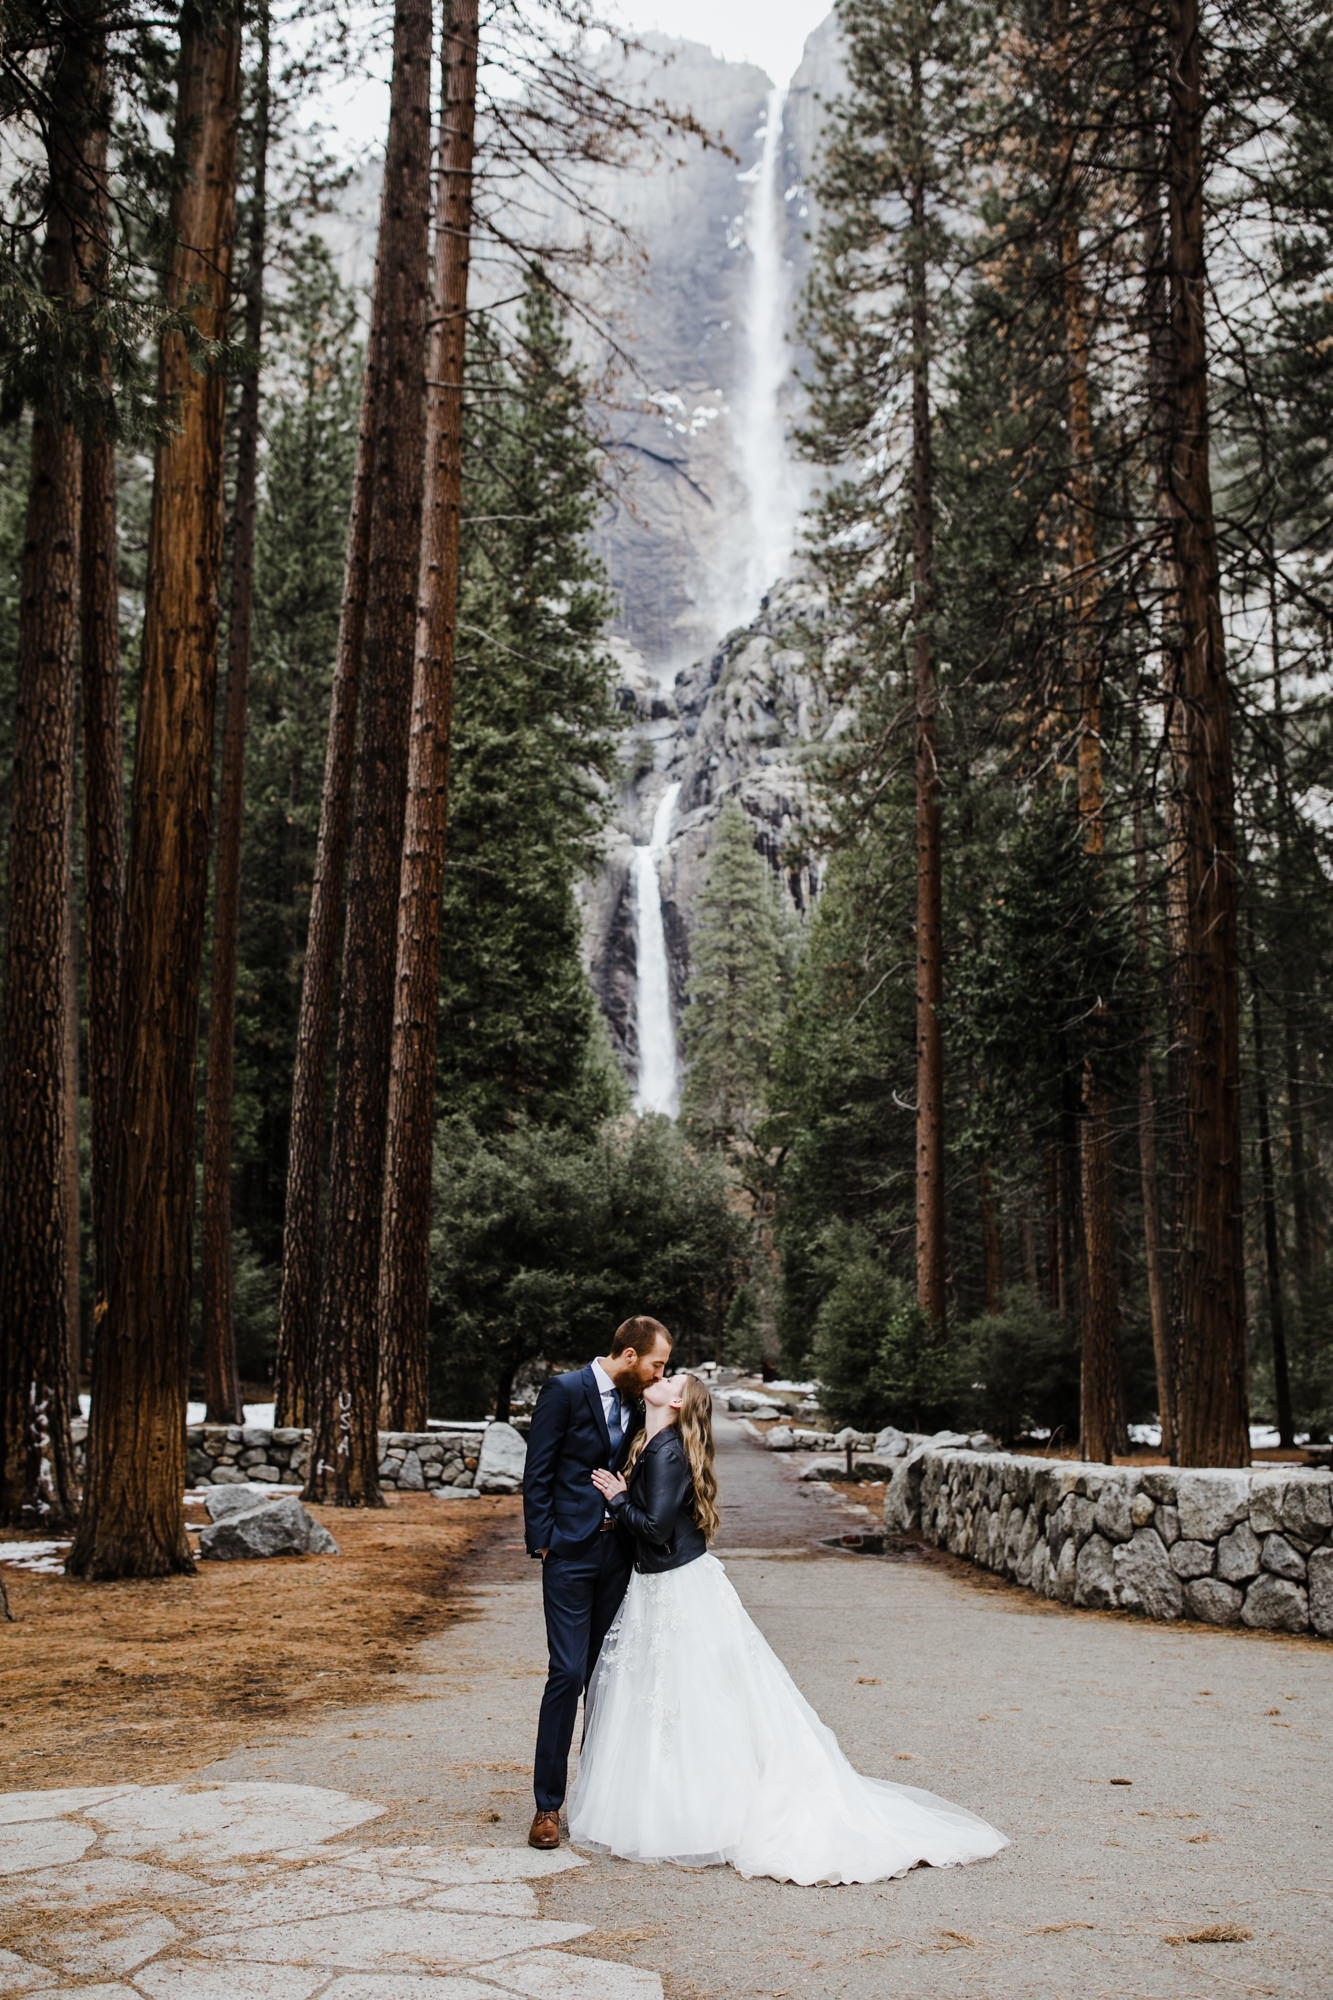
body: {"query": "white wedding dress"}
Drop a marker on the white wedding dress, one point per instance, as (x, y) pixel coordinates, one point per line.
(700, 1749)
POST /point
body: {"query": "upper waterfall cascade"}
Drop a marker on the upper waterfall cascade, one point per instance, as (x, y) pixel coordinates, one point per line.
(772, 502)
(659, 1063)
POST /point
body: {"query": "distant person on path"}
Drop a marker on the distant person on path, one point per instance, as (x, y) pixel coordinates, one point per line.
(584, 1422)
(699, 1748)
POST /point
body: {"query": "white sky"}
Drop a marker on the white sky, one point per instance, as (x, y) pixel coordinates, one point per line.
(768, 32)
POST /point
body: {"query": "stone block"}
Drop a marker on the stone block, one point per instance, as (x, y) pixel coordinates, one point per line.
(1145, 1579)
(1213, 1602)
(269, 1474)
(1160, 1484)
(1321, 1592)
(214, 1446)
(255, 1454)
(1281, 1559)
(1272, 1604)
(501, 1460)
(290, 1436)
(779, 1438)
(1041, 1558)
(891, 1442)
(227, 1475)
(1191, 1559)
(252, 1434)
(1307, 1506)
(430, 1453)
(1141, 1511)
(1094, 1574)
(1238, 1554)
(1113, 1515)
(1266, 1491)
(1210, 1503)
(411, 1479)
(1166, 1520)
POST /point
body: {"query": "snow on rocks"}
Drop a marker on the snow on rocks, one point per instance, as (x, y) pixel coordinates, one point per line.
(1227, 1547)
(359, 1922)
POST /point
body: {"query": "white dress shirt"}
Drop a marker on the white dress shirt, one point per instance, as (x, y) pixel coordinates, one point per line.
(609, 1394)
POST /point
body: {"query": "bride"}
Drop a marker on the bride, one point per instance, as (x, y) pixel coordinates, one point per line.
(699, 1747)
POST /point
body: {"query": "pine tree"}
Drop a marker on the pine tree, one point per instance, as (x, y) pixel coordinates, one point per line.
(741, 958)
(132, 1523)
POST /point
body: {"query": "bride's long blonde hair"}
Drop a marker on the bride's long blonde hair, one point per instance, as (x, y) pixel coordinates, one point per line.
(696, 1434)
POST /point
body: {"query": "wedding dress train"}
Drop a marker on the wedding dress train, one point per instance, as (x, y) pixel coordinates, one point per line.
(700, 1749)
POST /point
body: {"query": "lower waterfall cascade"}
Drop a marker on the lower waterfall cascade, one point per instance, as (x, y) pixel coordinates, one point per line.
(659, 1064)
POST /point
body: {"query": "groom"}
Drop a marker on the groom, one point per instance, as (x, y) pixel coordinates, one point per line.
(582, 1420)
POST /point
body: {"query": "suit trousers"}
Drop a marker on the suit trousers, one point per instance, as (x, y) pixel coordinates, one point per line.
(581, 1594)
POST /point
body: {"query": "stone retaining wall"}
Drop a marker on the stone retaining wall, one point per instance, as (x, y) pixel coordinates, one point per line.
(1232, 1548)
(411, 1461)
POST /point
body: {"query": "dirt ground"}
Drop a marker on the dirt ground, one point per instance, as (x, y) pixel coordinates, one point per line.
(102, 1681)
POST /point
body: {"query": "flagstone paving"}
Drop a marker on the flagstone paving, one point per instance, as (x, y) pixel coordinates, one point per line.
(241, 1891)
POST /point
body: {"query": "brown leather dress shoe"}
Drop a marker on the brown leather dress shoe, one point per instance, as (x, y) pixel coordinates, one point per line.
(545, 1830)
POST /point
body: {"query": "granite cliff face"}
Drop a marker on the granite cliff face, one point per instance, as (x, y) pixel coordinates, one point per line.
(748, 723)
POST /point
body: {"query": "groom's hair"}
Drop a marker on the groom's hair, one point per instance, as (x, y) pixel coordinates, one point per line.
(638, 1333)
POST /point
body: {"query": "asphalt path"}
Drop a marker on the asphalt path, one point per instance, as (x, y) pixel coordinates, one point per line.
(1157, 1782)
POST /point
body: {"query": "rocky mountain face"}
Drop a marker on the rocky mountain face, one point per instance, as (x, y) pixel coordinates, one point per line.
(747, 723)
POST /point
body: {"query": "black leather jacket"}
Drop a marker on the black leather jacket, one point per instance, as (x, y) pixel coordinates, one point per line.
(656, 1509)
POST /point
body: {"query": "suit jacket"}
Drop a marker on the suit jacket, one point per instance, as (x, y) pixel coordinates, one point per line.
(562, 1509)
(658, 1509)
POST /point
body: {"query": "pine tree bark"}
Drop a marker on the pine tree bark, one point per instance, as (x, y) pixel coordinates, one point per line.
(1212, 1398)
(344, 1399)
(103, 763)
(404, 1275)
(222, 1387)
(298, 1313)
(1277, 1318)
(132, 1522)
(930, 1218)
(1101, 1402)
(36, 1306)
(1158, 1303)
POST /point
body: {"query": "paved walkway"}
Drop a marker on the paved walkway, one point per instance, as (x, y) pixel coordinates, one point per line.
(1157, 1782)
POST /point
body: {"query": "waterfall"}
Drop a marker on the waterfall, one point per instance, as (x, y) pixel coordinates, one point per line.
(659, 1068)
(772, 505)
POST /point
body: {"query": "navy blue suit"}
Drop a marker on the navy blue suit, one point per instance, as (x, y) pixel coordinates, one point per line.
(587, 1566)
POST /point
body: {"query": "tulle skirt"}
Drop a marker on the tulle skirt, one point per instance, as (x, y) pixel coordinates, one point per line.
(700, 1749)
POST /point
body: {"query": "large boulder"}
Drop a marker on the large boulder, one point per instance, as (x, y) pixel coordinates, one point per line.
(780, 1438)
(279, 1527)
(501, 1461)
(891, 1443)
(224, 1501)
(1211, 1503)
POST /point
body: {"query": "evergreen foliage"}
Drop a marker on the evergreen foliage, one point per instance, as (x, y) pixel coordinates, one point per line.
(740, 969)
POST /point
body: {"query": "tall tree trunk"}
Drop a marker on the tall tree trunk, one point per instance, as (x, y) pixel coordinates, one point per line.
(1151, 1196)
(73, 1238)
(1277, 1319)
(1295, 1084)
(103, 762)
(1211, 1385)
(344, 1399)
(298, 1312)
(1101, 1403)
(222, 1388)
(133, 1519)
(930, 1221)
(404, 1276)
(36, 1458)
